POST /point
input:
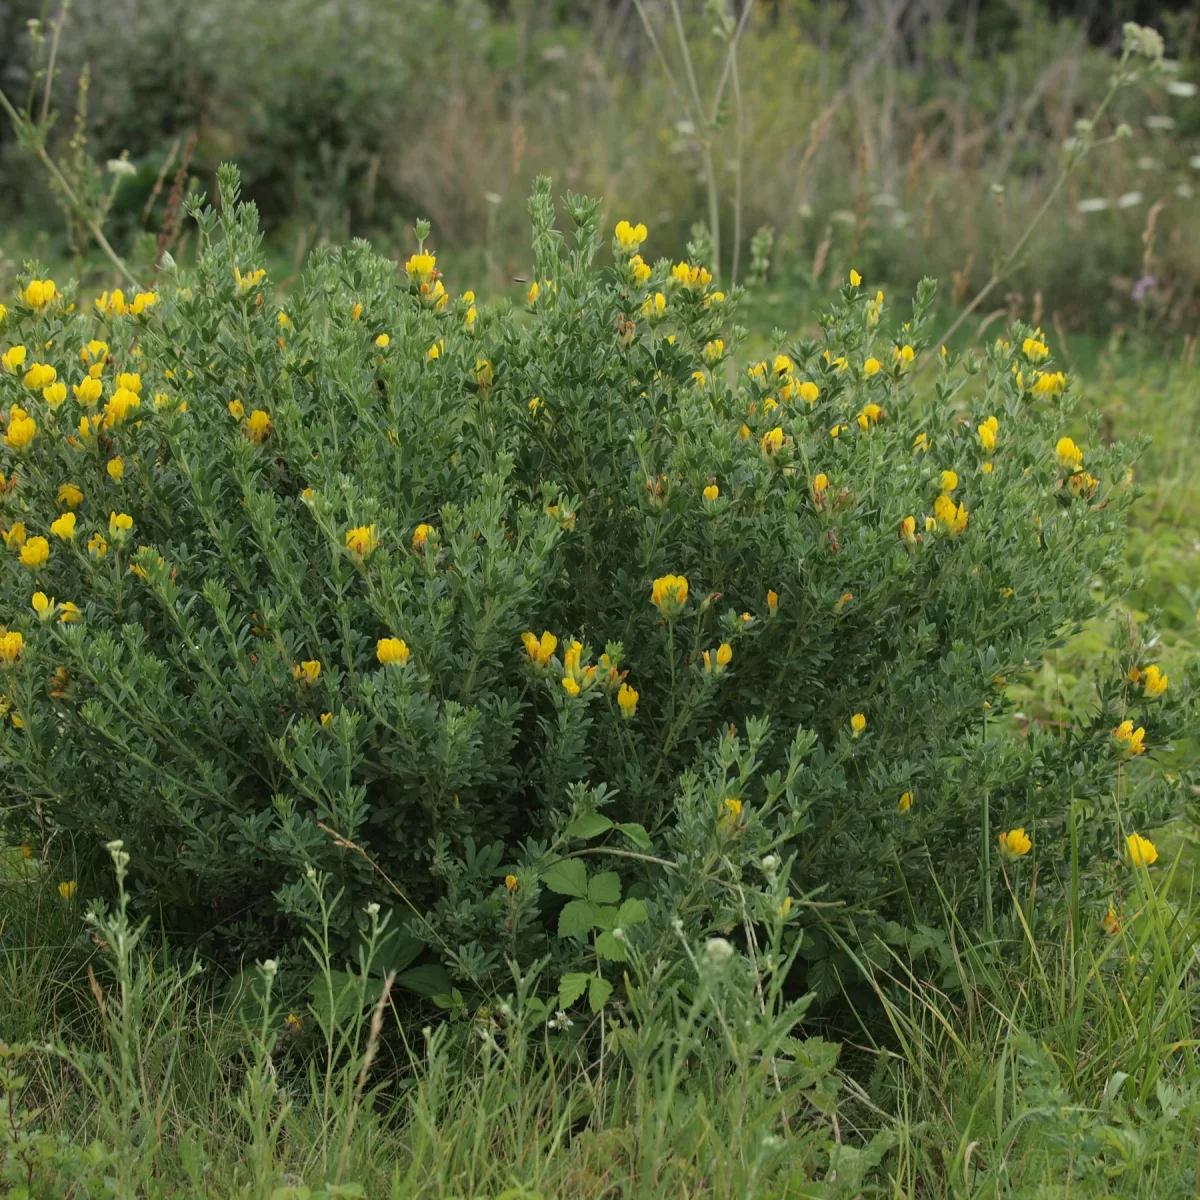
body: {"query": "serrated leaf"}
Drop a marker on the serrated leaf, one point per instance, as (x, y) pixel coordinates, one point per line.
(590, 825)
(599, 991)
(632, 912)
(567, 878)
(571, 987)
(577, 916)
(636, 834)
(607, 946)
(605, 888)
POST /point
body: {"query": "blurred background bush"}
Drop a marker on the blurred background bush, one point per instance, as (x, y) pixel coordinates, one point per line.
(913, 136)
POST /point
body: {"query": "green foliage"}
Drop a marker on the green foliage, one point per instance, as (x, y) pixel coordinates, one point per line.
(306, 650)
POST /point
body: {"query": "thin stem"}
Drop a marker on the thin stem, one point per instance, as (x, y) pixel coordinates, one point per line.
(39, 151)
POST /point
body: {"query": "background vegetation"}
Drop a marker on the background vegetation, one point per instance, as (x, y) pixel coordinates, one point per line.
(940, 1036)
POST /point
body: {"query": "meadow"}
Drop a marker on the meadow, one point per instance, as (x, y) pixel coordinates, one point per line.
(685, 694)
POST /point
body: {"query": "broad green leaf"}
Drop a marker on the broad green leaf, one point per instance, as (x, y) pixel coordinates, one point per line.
(590, 825)
(605, 888)
(607, 946)
(567, 878)
(599, 991)
(632, 912)
(571, 987)
(577, 916)
(636, 834)
(604, 916)
(429, 979)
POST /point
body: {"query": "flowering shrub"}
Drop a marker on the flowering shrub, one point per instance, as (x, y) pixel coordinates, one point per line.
(573, 625)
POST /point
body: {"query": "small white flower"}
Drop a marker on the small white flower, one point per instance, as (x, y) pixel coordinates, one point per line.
(121, 167)
(1093, 204)
(372, 909)
(718, 951)
(269, 968)
(1129, 200)
(1181, 87)
(1160, 121)
(771, 864)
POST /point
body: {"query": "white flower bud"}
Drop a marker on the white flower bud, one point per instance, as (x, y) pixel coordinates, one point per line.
(269, 968)
(718, 951)
(372, 910)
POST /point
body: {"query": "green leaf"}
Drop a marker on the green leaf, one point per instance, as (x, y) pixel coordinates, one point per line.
(577, 916)
(567, 878)
(605, 888)
(632, 912)
(590, 825)
(598, 993)
(571, 987)
(429, 979)
(636, 834)
(607, 946)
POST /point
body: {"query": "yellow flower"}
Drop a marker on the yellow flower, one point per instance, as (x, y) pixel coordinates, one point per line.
(14, 538)
(1034, 350)
(1082, 483)
(68, 612)
(855, 278)
(35, 552)
(142, 301)
(1142, 851)
(356, 311)
(308, 671)
(627, 699)
(858, 723)
(97, 546)
(1129, 739)
(21, 431)
(421, 536)
(391, 650)
(12, 646)
(872, 367)
(731, 811)
(571, 684)
(1111, 922)
(641, 270)
(1015, 843)
(952, 517)
(484, 374)
(421, 268)
(237, 410)
(116, 468)
(904, 355)
(1050, 384)
(1070, 456)
(244, 282)
(669, 593)
(724, 654)
(782, 365)
(55, 394)
(383, 341)
(130, 382)
(69, 495)
(905, 802)
(26, 851)
(258, 426)
(654, 306)
(630, 237)
(987, 433)
(1155, 681)
(711, 492)
(119, 525)
(872, 412)
(292, 1023)
(362, 540)
(908, 531)
(285, 322)
(540, 650)
(921, 443)
(713, 351)
(986, 468)
(690, 276)
(434, 352)
(119, 405)
(949, 482)
(66, 889)
(510, 883)
(13, 359)
(772, 602)
(94, 351)
(39, 293)
(837, 431)
(744, 432)
(43, 605)
(470, 318)
(64, 526)
(820, 484)
(88, 390)
(772, 441)
(39, 376)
